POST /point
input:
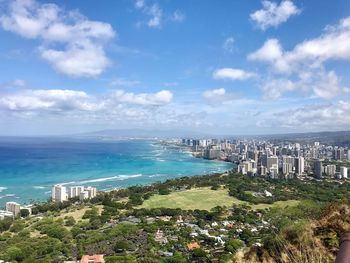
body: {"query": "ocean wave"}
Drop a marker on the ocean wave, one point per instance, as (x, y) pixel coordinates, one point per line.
(2, 188)
(156, 175)
(103, 179)
(7, 195)
(38, 187)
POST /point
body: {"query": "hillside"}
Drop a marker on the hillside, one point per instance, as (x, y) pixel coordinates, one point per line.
(215, 218)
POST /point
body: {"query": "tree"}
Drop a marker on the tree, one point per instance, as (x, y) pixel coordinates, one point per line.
(70, 221)
(199, 253)
(14, 253)
(24, 213)
(233, 245)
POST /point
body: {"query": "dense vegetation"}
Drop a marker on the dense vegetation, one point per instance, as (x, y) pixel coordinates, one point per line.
(114, 225)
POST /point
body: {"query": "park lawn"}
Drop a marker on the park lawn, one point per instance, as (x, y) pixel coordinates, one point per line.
(205, 199)
(197, 198)
(77, 214)
(278, 204)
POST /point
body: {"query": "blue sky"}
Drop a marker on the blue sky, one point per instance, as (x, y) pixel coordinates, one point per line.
(228, 67)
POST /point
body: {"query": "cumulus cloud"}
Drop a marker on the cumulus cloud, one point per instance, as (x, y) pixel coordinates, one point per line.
(156, 99)
(330, 116)
(218, 96)
(273, 14)
(232, 74)
(73, 44)
(113, 109)
(47, 100)
(333, 44)
(57, 100)
(305, 63)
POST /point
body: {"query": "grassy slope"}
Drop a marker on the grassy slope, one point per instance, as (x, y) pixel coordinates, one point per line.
(204, 199)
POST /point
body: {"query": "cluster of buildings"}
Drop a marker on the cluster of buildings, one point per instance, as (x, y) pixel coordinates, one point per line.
(275, 160)
(99, 258)
(62, 193)
(13, 210)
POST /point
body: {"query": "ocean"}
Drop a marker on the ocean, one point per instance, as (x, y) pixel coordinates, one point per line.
(30, 166)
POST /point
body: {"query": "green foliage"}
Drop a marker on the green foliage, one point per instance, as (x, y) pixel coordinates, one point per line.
(233, 245)
(69, 221)
(164, 191)
(24, 213)
(120, 259)
(17, 226)
(5, 224)
(14, 253)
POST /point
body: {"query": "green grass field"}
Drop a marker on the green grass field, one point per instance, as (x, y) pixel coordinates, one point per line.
(204, 199)
(198, 198)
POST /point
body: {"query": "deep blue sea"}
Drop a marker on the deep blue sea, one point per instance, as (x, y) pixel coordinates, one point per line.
(30, 166)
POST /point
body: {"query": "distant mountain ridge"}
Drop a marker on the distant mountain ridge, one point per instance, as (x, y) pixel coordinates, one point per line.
(325, 137)
(144, 133)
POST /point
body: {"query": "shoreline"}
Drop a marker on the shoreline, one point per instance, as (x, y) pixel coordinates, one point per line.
(11, 196)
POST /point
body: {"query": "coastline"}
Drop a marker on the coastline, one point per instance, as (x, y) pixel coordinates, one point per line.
(39, 191)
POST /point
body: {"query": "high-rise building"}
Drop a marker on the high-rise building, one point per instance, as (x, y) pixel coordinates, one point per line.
(74, 191)
(59, 193)
(344, 172)
(14, 208)
(299, 165)
(318, 169)
(330, 169)
(339, 154)
(287, 164)
(211, 153)
(272, 163)
(88, 193)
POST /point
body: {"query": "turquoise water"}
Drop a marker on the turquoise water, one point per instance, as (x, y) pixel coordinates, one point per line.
(29, 167)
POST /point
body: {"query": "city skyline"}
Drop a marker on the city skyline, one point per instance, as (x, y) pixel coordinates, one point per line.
(262, 67)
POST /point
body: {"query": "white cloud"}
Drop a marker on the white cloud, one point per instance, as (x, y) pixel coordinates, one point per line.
(305, 63)
(124, 82)
(219, 95)
(315, 117)
(57, 100)
(73, 44)
(178, 16)
(232, 74)
(155, 99)
(272, 14)
(333, 44)
(228, 45)
(139, 3)
(155, 14)
(47, 100)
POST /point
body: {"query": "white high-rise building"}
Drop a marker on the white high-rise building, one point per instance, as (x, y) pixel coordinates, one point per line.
(344, 172)
(14, 208)
(287, 164)
(272, 163)
(330, 169)
(91, 191)
(59, 193)
(74, 191)
(88, 193)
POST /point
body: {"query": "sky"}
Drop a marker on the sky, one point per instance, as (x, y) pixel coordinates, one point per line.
(223, 67)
